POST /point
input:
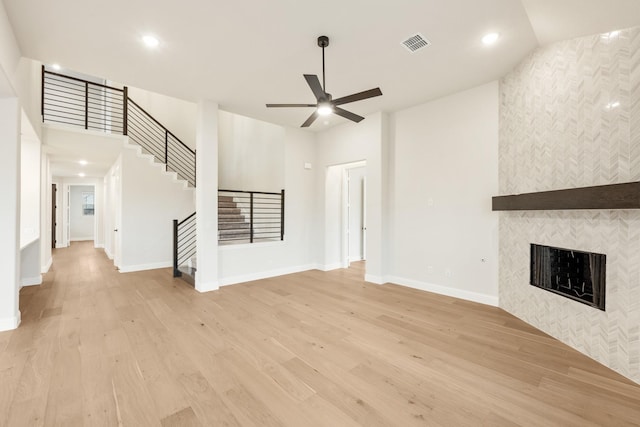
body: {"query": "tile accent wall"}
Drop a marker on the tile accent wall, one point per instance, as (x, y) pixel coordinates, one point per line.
(570, 117)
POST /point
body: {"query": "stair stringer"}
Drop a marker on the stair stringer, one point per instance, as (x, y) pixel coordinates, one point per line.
(162, 168)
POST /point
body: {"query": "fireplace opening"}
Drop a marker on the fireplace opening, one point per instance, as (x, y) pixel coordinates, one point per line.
(577, 275)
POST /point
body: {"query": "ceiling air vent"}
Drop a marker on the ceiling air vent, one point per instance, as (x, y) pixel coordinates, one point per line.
(415, 42)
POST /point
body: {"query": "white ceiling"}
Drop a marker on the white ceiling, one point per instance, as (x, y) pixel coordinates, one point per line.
(246, 54)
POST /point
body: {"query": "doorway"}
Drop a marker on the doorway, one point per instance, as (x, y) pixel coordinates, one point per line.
(54, 207)
(81, 224)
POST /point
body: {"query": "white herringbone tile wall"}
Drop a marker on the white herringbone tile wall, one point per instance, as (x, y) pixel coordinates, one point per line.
(570, 117)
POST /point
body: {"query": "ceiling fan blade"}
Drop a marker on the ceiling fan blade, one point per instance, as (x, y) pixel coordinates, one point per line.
(314, 84)
(312, 118)
(348, 115)
(289, 105)
(358, 96)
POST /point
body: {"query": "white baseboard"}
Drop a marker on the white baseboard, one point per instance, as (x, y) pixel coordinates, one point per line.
(81, 239)
(9, 323)
(444, 290)
(99, 246)
(226, 281)
(31, 281)
(142, 267)
(45, 268)
(377, 280)
(329, 267)
(109, 254)
(206, 287)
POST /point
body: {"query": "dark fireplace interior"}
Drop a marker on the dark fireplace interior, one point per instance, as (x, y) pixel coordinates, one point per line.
(577, 275)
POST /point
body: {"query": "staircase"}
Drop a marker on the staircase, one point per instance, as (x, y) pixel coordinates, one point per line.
(94, 106)
(243, 216)
(233, 226)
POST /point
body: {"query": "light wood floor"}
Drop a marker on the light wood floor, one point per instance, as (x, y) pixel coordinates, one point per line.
(97, 347)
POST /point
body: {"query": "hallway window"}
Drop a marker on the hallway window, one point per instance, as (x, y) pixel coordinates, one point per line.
(87, 203)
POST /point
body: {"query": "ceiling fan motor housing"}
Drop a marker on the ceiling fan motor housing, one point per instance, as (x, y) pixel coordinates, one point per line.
(323, 41)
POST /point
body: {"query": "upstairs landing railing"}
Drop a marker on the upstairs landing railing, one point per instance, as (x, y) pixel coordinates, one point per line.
(94, 106)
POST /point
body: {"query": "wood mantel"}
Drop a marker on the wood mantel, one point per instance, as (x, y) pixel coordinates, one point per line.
(613, 196)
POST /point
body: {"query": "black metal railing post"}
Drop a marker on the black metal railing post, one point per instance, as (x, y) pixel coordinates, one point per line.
(251, 217)
(125, 111)
(176, 272)
(86, 105)
(282, 214)
(166, 149)
(42, 96)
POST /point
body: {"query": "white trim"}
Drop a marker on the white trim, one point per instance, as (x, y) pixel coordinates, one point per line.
(329, 267)
(9, 323)
(109, 254)
(141, 267)
(206, 287)
(45, 268)
(264, 274)
(445, 290)
(31, 281)
(80, 239)
(377, 280)
(99, 246)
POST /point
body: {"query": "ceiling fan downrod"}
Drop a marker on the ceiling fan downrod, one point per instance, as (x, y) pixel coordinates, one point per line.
(323, 41)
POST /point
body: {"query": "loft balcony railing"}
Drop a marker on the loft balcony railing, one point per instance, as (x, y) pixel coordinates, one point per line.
(81, 103)
(250, 216)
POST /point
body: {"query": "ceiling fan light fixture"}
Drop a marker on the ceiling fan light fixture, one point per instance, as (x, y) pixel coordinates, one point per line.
(490, 39)
(324, 109)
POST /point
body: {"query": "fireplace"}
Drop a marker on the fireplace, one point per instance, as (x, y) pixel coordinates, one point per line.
(577, 275)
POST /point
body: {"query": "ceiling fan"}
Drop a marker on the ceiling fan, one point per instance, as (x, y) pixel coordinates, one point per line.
(325, 104)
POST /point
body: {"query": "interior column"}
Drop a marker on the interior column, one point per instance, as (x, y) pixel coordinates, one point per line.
(207, 197)
(9, 213)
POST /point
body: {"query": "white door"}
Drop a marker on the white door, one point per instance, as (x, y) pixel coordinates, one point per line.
(356, 212)
(364, 218)
(115, 216)
(68, 222)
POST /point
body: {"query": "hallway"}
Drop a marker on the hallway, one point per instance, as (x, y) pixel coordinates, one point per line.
(97, 347)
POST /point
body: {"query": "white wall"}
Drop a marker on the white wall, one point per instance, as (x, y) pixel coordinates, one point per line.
(30, 165)
(238, 263)
(177, 115)
(251, 154)
(81, 225)
(444, 171)
(151, 200)
(9, 213)
(46, 222)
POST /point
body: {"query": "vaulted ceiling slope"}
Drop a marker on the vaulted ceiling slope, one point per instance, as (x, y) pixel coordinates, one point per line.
(246, 54)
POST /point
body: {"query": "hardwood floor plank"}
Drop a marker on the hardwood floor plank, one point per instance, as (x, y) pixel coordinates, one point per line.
(102, 348)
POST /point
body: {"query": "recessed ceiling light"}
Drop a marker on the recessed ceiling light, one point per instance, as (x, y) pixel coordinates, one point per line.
(490, 38)
(56, 67)
(83, 162)
(150, 41)
(81, 175)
